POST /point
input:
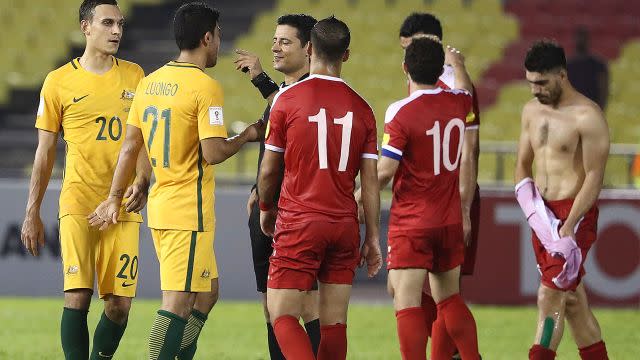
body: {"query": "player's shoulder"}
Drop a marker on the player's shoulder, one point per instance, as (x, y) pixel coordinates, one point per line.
(61, 72)
(401, 106)
(128, 66)
(457, 92)
(587, 111)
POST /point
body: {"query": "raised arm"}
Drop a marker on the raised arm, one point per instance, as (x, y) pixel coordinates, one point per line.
(594, 137)
(32, 234)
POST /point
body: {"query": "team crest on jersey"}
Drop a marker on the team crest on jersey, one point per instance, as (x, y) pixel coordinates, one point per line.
(205, 274)
(127, 95)
(73, 269)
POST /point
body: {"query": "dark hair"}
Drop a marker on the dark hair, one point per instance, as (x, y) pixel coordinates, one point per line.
(545, 56)
(421, 23)
(330, 38)
(88, 8)
(424, 58)
(191, 22)
(302, 22)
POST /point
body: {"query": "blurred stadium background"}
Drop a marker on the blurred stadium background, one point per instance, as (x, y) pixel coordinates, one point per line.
(40, 35)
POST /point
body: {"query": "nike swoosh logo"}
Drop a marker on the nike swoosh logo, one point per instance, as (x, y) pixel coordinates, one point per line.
(104, 356)
(75, 100)
(124, 284)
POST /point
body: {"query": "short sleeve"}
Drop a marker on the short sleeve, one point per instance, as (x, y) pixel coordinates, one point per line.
(395, 137)
(210, 101)
(276, 136)
(371, 142)
(133, 118)
(49, 116)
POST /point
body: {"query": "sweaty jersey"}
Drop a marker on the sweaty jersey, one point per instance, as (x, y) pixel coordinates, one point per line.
(424, 132)
(325, 129)
(447, 81)
(90, 110)
(175, 107)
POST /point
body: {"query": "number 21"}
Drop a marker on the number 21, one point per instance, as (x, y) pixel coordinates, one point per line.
(347, 124)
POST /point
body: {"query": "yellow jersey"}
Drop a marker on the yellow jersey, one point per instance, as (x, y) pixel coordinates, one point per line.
(90, 111)
(175, 107)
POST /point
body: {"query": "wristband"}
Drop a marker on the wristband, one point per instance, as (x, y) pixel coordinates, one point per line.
(264, 206)
(264, 84)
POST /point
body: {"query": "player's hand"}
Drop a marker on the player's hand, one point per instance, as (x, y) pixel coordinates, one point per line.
(136, 195)
(251, 202)
(567, 230)
(255, 131)
(106, 213)
(268, 221)
(466, 227)
(247, 60)
(371, 255)
(453, 56)
(32, 234)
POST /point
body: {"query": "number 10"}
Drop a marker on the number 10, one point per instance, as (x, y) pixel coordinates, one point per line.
(347, 124)
(435, 132)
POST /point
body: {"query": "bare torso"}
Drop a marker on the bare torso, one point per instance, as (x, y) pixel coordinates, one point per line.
(555, 138)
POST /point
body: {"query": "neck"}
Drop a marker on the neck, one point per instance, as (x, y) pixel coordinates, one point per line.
(195, 57)
(293, 77)
(413, 86)
(321, 68)
(567, 96)
(95, 61)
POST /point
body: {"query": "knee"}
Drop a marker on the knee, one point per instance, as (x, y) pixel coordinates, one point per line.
(117, 308)
(310, 308)
(552, 300)
(572, 305)
(78, 299)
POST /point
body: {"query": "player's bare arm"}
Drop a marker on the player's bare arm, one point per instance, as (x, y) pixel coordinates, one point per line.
(524, 159)
(370, 252)
(32, 234)
(455, 58)
(386, 169)
(107, 212)
(216, 150)
(269, 181)
(594, 137)
(137, 193)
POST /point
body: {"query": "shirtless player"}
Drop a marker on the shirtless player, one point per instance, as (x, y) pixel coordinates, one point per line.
(567, 136)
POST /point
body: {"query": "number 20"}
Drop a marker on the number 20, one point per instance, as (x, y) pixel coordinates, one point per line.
(444, 145)
(347, 124)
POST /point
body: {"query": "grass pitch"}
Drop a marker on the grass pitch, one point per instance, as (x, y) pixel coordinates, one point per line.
(30, 328)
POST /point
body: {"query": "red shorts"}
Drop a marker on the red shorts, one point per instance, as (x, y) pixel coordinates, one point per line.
(304, 252)
(471, 250)
(550, 266)
(436, 249)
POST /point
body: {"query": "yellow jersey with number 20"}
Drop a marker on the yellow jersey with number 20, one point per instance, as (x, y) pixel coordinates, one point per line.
(175, 107)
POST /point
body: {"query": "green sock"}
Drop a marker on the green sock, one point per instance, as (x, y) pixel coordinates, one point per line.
(191, 334)
(166, 335)
(106, 338)
(74, 334)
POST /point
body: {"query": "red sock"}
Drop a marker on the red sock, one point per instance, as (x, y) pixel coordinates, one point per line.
(538, 352)
(292, 338)
(442, 346)
(461, 326)
(430, 311)
(333, 342)
(597, 351)
(412, 333)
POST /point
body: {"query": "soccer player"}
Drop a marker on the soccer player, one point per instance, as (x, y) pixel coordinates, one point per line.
(290, 57)
(86, 100)
(178, 116)
(421, 151)
(566, 135)
(321, 134)
(425, 24)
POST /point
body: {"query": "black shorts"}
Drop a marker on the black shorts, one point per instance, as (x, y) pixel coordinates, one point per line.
(261, 249)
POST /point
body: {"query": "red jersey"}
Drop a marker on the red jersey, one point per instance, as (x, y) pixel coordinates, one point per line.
(447, 81)
(324, 129)
(424, 132)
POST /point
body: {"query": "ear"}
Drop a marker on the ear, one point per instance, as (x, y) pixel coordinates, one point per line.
(207, 39)
(84, 27)
(345, 57)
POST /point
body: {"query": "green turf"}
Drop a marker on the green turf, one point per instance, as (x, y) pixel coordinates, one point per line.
(29, 329)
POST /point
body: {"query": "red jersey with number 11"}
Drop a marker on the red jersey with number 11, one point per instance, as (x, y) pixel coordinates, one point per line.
(325, 129)
(424, 132)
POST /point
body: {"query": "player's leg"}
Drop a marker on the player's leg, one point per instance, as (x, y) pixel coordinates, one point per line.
(584, 326)
(199, 314)
(285, 307)
(78, 245)
(550, 326)
(406, 288)
(311, 317)
(334, 303)
(117, 273)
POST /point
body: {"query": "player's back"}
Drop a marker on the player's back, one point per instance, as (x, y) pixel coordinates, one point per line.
(173, 109)
(424, 132)
(325, 129)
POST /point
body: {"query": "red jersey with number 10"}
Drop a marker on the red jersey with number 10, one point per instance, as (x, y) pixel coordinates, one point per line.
(325, 129)
(424, 132)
